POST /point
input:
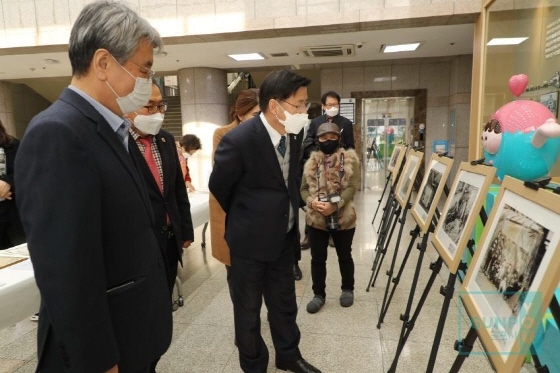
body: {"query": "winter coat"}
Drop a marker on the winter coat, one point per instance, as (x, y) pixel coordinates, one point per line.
(346, 188)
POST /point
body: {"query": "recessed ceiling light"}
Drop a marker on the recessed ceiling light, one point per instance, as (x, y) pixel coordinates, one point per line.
(506, 41)
(386, 48)
(247, 56)
(161, 54)
(51, 61)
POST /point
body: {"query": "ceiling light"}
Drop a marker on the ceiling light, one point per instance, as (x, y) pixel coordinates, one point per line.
(247, 56)
(506, 41)
(386, 48)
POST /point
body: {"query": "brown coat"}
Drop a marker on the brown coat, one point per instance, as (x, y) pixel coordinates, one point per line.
(220, 249)
(348, 186)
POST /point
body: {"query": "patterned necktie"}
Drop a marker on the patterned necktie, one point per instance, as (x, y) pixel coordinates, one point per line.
(122, 131)
(282, 146)
(150, 160)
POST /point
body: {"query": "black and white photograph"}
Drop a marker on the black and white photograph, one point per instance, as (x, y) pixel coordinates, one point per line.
(399, 152)
(461, 206)
(406, 181)
(430, 190)
(514, 272)
(510, 263)
(461, 210)
(427, 196)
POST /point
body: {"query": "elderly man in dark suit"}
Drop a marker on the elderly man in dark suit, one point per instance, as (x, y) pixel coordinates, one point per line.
(155, 152)
(256, 179)
(105, 304)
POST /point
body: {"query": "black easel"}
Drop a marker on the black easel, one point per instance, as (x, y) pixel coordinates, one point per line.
(391, 210)
(387, 182)
(414, 233)
(408, 323)
(465, 346)
(383, 240)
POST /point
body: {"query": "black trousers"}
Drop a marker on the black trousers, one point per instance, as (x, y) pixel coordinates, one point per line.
(319, 241)
(252, 280)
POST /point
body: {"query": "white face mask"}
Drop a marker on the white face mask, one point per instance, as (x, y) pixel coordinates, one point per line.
(150, 124)
(186, 155)
(331, 112)
(139, 96)
(293, 123)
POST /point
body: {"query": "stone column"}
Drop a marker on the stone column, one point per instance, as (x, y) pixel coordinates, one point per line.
(204, 107)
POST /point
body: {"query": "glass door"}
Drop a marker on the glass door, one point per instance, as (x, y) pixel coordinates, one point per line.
(388, 121)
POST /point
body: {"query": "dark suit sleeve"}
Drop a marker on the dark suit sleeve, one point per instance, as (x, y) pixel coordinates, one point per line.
(187, 229)
(228, 168)
(348, 134)
(60, 204)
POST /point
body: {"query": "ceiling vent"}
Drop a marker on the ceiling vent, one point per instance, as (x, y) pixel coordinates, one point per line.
(329, 50)
(280, 54)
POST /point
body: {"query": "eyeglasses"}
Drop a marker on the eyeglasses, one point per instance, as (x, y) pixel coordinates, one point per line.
(328, 106)
(303, 107)
(162, 108)
(144, 70)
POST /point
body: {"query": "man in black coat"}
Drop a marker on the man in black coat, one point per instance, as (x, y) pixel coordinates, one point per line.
(331, 107)
(105, 304)
(256, 181)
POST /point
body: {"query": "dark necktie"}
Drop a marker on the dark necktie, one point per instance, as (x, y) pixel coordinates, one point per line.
(150, 160)
(282, 146)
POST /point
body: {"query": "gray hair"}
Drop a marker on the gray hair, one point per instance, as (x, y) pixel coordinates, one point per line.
(112, 26)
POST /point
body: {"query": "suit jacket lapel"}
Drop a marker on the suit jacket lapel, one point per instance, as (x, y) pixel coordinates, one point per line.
(111, 138)
(264, 143)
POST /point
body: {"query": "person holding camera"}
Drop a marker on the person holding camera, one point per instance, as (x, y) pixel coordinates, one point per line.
(330, 179)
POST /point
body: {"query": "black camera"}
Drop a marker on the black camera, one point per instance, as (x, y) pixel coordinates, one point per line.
(332, 219)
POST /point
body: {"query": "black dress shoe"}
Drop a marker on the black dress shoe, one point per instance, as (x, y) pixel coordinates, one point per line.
(304, 244)
(297, 366)
(297, 272)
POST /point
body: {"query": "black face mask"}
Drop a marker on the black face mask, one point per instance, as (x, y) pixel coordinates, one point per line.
(329, 146)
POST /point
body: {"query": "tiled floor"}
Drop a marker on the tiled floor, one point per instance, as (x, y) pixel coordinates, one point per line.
(336, 340)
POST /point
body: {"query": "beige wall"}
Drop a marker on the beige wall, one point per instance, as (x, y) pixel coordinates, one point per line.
(48, 22)
(26, 104)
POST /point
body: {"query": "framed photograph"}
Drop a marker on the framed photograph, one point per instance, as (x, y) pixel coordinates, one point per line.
(460, 211)
(406, 181)
(430, 190)
(550, 100)
(399, 154)
(396, 153)
(514, 272)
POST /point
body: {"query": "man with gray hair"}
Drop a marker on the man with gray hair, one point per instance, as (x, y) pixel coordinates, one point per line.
(105, 304)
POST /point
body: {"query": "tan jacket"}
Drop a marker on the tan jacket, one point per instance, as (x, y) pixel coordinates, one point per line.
(220, 249)
(348, 185)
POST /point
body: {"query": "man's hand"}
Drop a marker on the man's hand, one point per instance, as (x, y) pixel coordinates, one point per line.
(190, 187)
(186, 244)
(5, 191)
(114, 369)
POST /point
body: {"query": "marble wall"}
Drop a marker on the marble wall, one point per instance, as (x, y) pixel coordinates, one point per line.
(446, 81)
(6, 107)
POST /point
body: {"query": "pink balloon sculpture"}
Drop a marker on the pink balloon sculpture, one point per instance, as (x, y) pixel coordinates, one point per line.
(517, 84)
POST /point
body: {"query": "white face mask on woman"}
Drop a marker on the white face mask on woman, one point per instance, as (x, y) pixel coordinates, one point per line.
(293, 123)
(150, 124)
(139, 96)
(186, 155)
